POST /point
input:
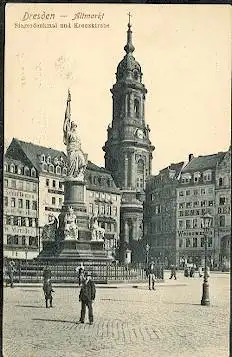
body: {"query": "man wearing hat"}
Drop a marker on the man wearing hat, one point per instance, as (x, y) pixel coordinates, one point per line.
(87, 296)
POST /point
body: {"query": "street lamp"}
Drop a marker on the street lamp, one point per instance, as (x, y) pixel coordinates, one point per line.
(147, 252)
(206, 222)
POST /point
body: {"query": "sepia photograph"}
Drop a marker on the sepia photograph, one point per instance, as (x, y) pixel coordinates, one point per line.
(117, 180)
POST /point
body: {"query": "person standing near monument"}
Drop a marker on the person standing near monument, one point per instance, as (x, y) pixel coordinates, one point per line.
(86, 297)
(80, 273)
(151, 275)
(48, 290)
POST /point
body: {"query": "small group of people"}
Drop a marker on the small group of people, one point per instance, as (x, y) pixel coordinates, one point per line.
(86, 296)
(191, 271)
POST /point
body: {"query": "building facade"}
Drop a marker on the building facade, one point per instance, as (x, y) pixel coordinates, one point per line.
(128, 150)
(196, 195)
(20, 212)
(160, 214)
(223, 212)
(49, 168)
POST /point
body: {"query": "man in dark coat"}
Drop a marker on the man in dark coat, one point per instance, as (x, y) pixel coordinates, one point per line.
(151, 275)
(173, 272)
(47, 288)
(87, 296)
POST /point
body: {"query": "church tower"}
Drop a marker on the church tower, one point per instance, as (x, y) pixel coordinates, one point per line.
(128, 150)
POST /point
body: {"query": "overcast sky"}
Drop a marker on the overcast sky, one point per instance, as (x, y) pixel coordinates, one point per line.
(185, 54)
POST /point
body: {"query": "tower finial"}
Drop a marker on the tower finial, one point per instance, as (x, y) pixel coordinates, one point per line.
(129, 24)
(69, 96)
(129, 48)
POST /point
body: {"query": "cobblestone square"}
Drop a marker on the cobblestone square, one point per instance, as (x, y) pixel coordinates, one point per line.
(128, 321)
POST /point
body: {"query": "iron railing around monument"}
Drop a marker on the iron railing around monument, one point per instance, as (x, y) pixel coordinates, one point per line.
(32, 272)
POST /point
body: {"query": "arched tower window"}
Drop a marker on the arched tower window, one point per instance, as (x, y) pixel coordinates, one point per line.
(136, 107)
(220, 181)
(140, 175)
(128, 104)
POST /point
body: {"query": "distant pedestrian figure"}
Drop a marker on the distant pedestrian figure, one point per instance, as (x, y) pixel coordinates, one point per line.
(80, 272)
(151, 275)
(47, 274)
(200, 272)
(186, 271)
(192, 272)
(173, 272)
(86, 297)
(48, 290)
(10, 270)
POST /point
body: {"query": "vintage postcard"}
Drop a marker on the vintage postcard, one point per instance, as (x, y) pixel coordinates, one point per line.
(117, 180)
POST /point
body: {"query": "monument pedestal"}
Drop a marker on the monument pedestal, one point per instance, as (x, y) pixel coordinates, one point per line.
(80, 248)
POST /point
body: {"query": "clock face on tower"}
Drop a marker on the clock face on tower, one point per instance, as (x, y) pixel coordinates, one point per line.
(140, 134)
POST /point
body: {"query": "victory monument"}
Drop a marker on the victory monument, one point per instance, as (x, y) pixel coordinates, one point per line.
(75, 235)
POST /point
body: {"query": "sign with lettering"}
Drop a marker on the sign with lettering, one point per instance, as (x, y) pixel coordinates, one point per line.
(20, 194)
(25, 231)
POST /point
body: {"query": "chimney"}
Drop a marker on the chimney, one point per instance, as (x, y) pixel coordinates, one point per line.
(190, 157)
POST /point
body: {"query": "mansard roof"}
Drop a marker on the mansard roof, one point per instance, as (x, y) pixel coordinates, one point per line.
(202, 163)
(30, 154)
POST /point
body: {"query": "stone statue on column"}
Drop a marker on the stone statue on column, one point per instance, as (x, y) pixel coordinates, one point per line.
(49, 230)
(97, 233)
(77, 160)
(70, 225)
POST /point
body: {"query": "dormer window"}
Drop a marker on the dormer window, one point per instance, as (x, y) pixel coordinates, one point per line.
(19, 171)
(51, 168)
(56, 161)
(26, 171)
(43, 158)
(44, 166)
(33, 172)
(5, 167)
(12, 168)
(64, 171)
(186, 178)
(207, 176)
(197, 176)
(58, 170)
(49, 159)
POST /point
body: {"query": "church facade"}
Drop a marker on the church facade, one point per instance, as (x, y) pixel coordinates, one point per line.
(128, 149)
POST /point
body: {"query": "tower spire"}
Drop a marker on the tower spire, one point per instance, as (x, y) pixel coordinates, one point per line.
(129, 48)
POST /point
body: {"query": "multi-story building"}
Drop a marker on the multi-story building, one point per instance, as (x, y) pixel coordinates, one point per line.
(20, 213)
(128, 150)
(223, 212)
(160, 214)
(103, 198)
(195, 197)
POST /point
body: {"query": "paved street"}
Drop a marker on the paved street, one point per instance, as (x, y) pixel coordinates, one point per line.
(129, 322)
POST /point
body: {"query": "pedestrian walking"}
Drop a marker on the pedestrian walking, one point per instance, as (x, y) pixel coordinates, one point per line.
(80, 273)
(48, 290)
(86, 297)
(151, 275)
(186, 271)
(200, 271)
(173, 272)
(192, 272)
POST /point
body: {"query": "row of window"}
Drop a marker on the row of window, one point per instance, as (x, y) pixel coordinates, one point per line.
(20, 185)
(103, 196)
(103, 209)
(56, 201)
(195, 192)
(195, 242)
(196, 204)
(195, 212)
(20, 170)
(206, 177)
(56, 160)
(20, 221)
(52, 169)
(22, 240)
(100, 180)
(20, 203)
(54, 184)
(190, 223)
